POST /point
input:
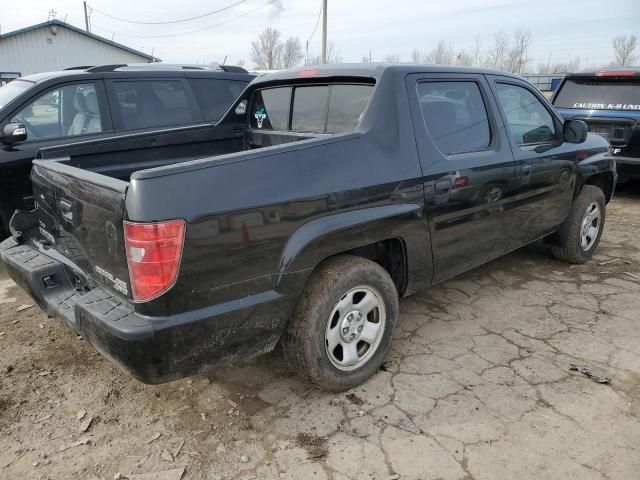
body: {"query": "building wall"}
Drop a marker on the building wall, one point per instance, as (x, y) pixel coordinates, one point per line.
(41, 50)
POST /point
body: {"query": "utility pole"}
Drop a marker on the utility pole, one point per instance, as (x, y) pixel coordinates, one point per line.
(324, 32)
(86, 17)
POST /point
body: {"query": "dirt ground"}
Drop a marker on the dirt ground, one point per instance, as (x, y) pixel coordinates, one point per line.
(477, 386)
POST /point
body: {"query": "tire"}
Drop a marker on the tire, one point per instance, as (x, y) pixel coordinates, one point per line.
(491, 193)
(4, 225)
(576, 248)
(341, 287)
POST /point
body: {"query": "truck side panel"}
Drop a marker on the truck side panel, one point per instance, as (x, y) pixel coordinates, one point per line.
(239, 223)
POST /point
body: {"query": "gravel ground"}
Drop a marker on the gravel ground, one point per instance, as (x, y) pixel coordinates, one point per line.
(477, 386)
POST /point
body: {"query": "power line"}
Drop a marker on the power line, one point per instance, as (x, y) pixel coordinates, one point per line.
(317, 21)
(171, 21)
(192, 31)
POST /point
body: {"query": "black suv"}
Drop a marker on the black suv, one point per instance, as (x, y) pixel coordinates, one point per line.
(609, 101)
(48, 109)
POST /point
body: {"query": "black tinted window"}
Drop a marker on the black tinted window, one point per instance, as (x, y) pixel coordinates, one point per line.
(310, 109)
(146, 104)
(600, 95)
(527, 118)
(346, 106)
(270, 109)
(455, 116)
(310, 112)
(215, 96)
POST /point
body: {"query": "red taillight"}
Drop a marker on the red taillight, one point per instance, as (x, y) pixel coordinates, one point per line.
(616, 73)
(154, 251)
(460, 182)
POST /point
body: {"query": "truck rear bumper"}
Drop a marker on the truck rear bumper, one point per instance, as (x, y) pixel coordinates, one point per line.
(152, 349)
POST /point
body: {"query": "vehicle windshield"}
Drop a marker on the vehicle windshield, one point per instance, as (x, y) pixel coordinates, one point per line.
(600, 94)
(12, 89)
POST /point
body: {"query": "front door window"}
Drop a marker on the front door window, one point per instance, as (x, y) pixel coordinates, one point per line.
(68, 111)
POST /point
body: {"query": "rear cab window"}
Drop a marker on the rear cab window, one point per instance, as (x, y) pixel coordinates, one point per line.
(599, 94)
(271, 109)
(321, 109)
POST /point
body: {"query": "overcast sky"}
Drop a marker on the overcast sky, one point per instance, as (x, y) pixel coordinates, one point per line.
(563, 29)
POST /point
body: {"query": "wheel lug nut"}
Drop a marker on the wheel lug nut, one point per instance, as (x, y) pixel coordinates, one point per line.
(345, 330)
(360, 329)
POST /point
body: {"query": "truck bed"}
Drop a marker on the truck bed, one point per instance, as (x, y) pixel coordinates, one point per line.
(120, 157)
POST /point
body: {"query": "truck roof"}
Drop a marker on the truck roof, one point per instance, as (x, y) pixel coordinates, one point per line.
(370, 70)
(148, 69)
(607, 72)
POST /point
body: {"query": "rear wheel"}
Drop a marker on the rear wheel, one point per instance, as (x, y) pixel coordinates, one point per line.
(4, 224)
(583, 227)
(341, 328)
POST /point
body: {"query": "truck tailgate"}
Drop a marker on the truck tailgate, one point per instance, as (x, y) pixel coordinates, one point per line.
(79, 214)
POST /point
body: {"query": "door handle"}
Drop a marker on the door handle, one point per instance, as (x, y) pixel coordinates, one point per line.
(526, 170)
(443, 186)
(66, 208)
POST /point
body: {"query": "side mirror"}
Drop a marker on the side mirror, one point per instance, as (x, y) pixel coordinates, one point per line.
(13, 133)
(575, 131)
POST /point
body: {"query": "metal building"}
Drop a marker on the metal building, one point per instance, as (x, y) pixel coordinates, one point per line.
(56, 45)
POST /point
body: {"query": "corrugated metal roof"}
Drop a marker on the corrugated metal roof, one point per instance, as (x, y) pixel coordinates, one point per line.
(83, 32)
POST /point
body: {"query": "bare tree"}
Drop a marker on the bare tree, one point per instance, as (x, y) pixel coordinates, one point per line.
(268, 52)
(518, 55)
(291, 53)
(333, 55)
(441, 55)
(464, 59)
(624, 48)
(267, 49)
(512, 57)
(498, 52)
(558, 67)
(392, 58)
(419, 57)
(476, 52)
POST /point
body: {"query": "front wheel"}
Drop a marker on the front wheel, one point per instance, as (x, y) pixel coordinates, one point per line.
(341, 328)
(584, 226)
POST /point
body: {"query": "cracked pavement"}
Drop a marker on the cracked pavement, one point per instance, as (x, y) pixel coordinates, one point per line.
(477, 385)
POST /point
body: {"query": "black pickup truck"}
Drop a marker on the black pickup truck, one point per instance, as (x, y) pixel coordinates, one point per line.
(608, 99)
(325, 195)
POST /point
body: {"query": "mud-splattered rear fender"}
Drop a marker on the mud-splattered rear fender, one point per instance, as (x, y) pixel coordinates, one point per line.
(334, 234)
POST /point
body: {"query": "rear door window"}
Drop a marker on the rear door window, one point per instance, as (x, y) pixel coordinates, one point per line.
(151, 103)
(215, 95)
(592, 94)
(271, 109)
(455, 116)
